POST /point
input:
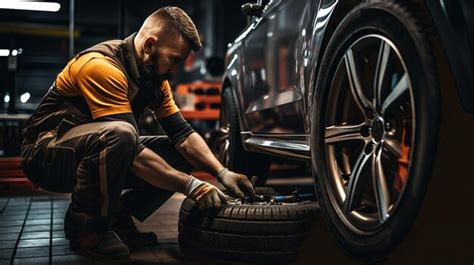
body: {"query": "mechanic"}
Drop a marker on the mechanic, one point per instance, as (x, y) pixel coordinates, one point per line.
(83, 138)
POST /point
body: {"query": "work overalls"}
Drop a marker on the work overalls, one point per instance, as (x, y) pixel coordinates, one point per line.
(64, 150)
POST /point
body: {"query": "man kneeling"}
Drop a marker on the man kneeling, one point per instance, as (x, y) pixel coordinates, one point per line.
(83, 138)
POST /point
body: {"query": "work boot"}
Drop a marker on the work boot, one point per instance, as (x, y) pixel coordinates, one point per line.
(131, 236)
(90, 237)
(105, 246)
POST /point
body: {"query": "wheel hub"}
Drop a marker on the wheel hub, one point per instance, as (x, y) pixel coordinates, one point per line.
(377, 130)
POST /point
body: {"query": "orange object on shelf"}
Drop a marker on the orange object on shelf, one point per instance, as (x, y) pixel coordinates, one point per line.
(188, 88)
(11, 172)
(199, 100)
(200, 114)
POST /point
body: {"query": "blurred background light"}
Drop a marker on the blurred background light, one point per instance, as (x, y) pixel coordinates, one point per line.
(4, 52)
(24, 97)
(32, 6)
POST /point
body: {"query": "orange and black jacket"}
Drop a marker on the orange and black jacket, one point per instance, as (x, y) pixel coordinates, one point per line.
(103, 83)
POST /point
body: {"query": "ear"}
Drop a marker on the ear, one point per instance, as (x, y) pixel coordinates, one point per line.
(149, 44)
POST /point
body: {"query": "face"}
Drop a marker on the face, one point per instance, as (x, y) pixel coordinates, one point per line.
(162, 57)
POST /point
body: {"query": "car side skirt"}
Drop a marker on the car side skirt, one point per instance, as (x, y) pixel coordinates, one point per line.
(293, 146)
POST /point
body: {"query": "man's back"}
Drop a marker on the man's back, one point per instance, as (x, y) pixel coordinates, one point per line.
(101, 81)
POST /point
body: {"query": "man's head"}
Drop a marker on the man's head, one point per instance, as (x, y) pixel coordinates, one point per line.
(165, 40)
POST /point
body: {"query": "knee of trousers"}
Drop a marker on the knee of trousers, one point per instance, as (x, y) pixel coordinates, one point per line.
(120, 136)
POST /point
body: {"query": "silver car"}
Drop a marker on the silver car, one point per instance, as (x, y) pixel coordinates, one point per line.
(354, 88)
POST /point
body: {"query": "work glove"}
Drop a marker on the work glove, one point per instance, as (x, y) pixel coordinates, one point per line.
(237, 184)
(204, 194)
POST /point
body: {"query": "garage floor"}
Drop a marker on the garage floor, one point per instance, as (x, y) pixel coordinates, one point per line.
(31, 227)
(31, 232)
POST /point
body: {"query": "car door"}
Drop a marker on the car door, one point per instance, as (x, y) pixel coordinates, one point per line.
(272, 96)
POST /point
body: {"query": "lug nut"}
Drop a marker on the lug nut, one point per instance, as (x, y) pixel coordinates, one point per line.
(365, 130)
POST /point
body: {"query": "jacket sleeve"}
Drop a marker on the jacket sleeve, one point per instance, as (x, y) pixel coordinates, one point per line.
(104, 87)
(167, 113)
(176, 127)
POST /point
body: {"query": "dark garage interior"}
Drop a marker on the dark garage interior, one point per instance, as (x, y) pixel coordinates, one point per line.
(236, 132)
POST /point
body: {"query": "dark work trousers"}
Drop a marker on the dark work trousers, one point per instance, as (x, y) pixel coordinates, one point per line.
(93, 162)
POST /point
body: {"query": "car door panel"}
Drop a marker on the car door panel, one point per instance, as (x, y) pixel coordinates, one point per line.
(273, 89)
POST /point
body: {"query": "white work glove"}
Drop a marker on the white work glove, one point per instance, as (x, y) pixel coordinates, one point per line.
(204, 194)
(237, 184)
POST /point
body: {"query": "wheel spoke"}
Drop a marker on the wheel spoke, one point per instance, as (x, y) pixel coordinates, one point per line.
(354, 82)
(382, 194)
(393, 145)
(397, 92)
(382, 61)
(341, 133)
(224, 130)
(356, 183)
(224, 152)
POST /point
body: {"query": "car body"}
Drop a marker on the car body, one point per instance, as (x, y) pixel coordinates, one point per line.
(274, 96)
(358, 88)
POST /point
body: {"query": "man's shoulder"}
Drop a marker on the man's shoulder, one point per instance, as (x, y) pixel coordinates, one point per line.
(96, 63)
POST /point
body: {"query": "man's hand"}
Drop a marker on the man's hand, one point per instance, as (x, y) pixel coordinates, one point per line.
(196, 151)
(237, 184)
(204, 194)
(208, 196)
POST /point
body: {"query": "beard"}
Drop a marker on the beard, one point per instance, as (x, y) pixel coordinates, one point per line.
(150, 78)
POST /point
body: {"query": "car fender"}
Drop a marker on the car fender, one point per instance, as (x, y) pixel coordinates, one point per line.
(232, 75)
(316, 42)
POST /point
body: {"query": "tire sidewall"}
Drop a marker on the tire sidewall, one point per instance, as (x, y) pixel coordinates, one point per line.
(235, 142)
(240, 160)
(389, 20)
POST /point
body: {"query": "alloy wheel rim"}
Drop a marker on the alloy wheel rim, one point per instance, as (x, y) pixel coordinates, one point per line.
(369, 133)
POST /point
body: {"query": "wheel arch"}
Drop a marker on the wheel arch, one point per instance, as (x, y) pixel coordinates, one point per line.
(340, 9)
(228, 84)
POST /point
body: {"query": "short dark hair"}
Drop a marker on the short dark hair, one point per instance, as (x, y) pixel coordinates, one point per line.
(182, 22)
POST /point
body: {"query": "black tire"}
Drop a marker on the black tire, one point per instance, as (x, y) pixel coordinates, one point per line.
(245, 232)
(394, 22)
(240, 160)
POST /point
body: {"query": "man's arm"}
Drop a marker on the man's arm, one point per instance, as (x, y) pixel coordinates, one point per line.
(196, 152)
(193, 147)
(154, 169)
(190, 144)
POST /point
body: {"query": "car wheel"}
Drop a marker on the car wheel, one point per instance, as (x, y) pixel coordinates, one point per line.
(374, 128)
(231, 153)
(246, 231)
